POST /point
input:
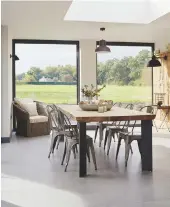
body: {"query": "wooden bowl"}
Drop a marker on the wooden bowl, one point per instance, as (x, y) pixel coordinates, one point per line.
(93, 107)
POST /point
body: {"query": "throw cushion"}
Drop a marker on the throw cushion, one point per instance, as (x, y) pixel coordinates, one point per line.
(38, 119)
(31, 108)
(41, 108)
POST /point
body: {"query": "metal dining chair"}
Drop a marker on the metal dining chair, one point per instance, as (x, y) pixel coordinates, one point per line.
(128, 135)
(102, 125)
(57, 134)
(113, 130)
(71, 135)
(56, 127)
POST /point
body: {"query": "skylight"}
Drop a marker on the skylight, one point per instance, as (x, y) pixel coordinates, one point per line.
(117, 11)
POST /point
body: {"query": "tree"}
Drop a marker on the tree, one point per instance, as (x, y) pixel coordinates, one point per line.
(68, 78)
(52, 72)
(29, 78)
(20, 77)
(36, 72)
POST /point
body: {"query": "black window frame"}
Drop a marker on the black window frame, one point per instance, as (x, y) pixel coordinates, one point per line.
(136, 44)
(35, 41)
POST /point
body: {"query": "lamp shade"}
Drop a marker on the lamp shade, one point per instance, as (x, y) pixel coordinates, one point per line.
(154, 62)
(15, 57)
(102, 47)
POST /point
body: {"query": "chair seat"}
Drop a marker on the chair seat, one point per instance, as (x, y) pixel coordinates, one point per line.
(135, 136)
(38, 119)
(114, 128)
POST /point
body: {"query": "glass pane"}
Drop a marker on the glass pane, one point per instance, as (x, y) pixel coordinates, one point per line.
(46, 72)
(125, 74)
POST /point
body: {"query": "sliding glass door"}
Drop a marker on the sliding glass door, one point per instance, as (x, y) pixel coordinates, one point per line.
(47, 71)
(125, 74)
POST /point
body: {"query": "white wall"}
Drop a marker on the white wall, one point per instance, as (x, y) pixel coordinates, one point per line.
(5, 86)
(87, 62)
(87, 56)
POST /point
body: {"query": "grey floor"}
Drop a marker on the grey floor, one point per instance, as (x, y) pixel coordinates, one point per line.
(30, 179)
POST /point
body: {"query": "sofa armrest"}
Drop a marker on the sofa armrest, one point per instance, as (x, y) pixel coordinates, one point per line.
(20, 113)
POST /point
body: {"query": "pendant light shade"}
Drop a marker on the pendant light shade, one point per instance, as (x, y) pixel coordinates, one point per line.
(154, 62)
(102, 45)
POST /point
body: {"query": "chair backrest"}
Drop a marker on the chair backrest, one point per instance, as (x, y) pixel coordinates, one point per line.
(129, 106)
(117, 104)
(124, 123)
(68, 128)
(55, 119)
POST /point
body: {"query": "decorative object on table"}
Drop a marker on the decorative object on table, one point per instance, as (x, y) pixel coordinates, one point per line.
(90, 92)
(102, 48)
(94, 105)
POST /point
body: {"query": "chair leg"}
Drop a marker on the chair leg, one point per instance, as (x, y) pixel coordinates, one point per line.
(68, 153)
(92, 152)
(51, 145)
(105, 140)
(100, 134)
(58, 141)
(55, 142)
(76, 148)
(127, 149)
(95, 136)
(88, 152)
(64, 154)
(131, 149)
(154, 124)
(109, 141)
(74, 151)
(118, 146)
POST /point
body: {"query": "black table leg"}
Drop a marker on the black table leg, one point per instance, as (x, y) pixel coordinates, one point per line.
(82, 150)
(146, 145)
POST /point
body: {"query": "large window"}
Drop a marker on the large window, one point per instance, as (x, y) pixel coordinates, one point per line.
(125, 73)
(47, 71)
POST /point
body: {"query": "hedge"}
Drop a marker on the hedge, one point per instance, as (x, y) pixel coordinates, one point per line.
(45, 83)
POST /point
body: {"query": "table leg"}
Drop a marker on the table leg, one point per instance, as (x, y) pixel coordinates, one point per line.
(146, 145)
(82, 149)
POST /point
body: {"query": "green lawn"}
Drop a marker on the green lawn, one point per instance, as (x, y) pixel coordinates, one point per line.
(67, 94)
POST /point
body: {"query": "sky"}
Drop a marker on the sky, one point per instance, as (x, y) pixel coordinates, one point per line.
(43, 55)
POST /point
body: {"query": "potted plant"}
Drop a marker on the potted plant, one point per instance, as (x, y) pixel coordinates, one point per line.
(90, 91)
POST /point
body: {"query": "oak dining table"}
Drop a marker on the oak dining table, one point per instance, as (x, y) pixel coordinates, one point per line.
(115, 114)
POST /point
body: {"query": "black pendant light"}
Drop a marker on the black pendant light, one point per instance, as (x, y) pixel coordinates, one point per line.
(102, 45)
(15, 57)
(154, 62)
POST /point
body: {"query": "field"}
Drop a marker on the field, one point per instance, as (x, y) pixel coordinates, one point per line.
(67, 94)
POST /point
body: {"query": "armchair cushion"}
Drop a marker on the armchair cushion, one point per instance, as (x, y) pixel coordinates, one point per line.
(38, 119)
(31, 108)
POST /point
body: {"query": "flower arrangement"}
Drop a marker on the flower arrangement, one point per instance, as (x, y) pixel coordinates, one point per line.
(91, 91)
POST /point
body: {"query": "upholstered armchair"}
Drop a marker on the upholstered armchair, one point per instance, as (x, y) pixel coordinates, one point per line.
(30, 122)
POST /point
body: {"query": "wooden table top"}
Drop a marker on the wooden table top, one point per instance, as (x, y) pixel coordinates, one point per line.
(115, 114)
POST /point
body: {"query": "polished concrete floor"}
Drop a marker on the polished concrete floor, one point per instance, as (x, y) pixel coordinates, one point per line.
(30, 179)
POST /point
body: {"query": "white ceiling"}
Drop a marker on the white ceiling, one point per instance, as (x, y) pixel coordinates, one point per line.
(118, 11)
(44, 19)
